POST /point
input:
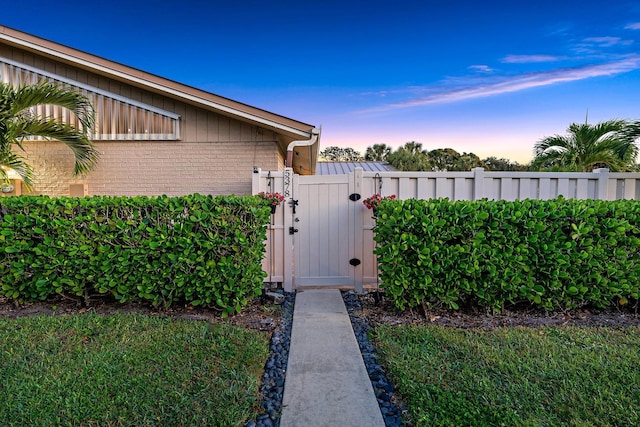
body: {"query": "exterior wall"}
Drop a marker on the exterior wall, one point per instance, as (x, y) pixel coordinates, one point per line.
(281, 161)
(215, 154)
(154, 168)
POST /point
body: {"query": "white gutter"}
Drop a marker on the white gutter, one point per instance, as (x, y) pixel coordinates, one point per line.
(162, 88)
(315, 132)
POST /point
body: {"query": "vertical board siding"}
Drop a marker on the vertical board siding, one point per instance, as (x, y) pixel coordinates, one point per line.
(115, 117)
(322, 252)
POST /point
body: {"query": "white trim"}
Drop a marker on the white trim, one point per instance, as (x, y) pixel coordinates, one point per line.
(163, 88)
(137, 137)
(91, 88)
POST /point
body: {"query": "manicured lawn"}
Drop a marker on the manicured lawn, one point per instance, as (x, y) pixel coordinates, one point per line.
(554, 376)
(124, 370)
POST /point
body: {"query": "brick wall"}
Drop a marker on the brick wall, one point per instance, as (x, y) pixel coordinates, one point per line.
(154, 168)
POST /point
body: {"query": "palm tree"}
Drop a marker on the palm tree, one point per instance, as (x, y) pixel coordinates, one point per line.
(18, 121)
(377, 153)
(414, 148)
(410, 157)
(610, 144)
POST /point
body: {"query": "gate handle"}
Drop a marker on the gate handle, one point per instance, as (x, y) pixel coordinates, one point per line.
(293, 204)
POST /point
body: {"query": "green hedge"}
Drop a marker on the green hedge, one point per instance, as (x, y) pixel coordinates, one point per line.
(195, 249)
(555, 253)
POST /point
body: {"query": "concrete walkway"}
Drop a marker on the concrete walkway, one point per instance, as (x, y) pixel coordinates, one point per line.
(326, 381)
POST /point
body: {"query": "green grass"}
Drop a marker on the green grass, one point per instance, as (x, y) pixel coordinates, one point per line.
(124, 370)
(554, 376)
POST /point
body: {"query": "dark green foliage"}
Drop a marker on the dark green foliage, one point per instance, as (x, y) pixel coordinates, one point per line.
(493, 163)
(377, 153)
(410, 157)
(554, 254)
(610, 144)
(195, 249)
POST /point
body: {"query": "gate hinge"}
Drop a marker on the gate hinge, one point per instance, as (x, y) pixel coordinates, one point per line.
(354, 197)
(354, 261)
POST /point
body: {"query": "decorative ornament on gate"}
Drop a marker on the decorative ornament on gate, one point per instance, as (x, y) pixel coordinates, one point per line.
(274, 199)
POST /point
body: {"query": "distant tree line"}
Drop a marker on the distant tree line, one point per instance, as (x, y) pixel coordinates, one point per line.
(610, 144)
(412, 157)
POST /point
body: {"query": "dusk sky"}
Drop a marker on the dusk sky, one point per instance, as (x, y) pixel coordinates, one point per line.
(488, 77)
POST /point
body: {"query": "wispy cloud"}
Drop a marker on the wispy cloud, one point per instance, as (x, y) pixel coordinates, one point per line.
(529, 59)
(633, 26)
(482, 68)
(509, 84)
(608, 41)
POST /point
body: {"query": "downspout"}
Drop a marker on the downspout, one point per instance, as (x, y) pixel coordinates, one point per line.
(304, 143)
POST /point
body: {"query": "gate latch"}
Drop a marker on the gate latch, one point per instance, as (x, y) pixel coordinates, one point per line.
(293, 204)
(292, 230)
(354, 197)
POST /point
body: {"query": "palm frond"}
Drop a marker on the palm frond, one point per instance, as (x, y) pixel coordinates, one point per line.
(43, 93)
(10, 160)
(86, 155)
(17, 121)
(606, 144)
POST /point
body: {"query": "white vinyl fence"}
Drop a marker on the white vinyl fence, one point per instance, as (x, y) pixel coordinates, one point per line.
(322, 235)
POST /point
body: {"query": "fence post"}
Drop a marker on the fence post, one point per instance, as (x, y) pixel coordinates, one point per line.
(602, 191)
(290, 193)
(478, 183)
(255, 181)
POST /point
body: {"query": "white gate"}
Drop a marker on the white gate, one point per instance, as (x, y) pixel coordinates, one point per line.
(322, 235)
(311, 240)
(323, 231)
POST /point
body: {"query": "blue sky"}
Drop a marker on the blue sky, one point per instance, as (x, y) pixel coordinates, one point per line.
(490, 77)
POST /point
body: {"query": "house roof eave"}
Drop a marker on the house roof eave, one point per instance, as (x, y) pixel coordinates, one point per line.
(291, 128)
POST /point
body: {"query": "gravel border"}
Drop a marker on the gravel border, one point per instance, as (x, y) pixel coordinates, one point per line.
(273, 378)
(382, 387)
(275, 369)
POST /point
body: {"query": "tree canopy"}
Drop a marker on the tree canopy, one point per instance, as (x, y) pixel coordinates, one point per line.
(410, 157)
(413, 157)
(339, 154)
(448, 159)
(493, 163)
(377, 153)
(610, 144)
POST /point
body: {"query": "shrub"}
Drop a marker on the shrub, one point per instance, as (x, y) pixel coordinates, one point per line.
(195, 249)
(554, 254)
